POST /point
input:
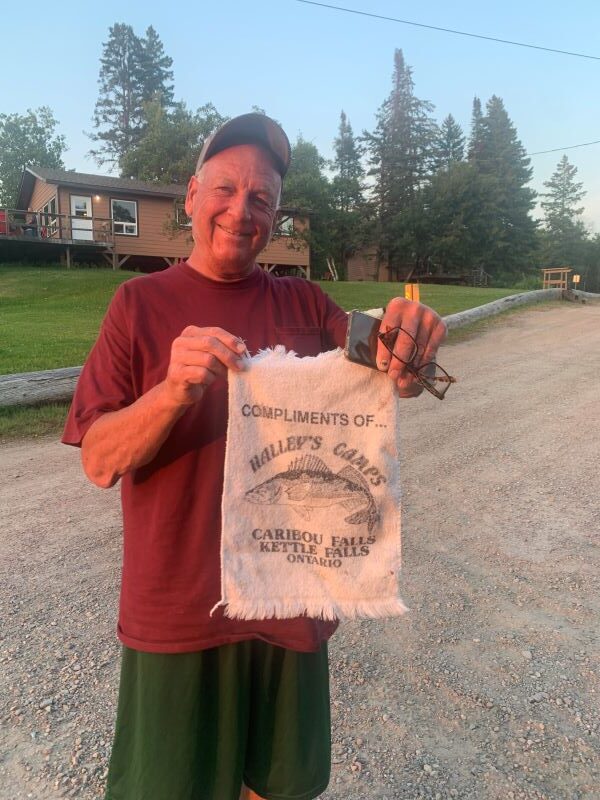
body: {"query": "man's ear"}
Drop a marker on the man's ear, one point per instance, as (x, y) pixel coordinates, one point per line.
(191, 193)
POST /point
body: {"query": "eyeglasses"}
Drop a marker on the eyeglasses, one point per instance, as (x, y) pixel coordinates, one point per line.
(403, 346)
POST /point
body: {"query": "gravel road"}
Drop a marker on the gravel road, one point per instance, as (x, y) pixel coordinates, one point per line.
(489, 688)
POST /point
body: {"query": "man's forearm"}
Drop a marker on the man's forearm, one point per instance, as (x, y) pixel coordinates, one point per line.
(120, 441)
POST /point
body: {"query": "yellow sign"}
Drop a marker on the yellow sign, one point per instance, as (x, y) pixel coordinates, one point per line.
(576, 278)
(411, 291)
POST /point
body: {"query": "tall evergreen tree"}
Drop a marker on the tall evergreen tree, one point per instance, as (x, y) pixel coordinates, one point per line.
(347, 190)
(132, 71)
(349, 172)
(499, 154)
(118, 111)
(156, 75)
(450, 144)
(27, 140)
(564, 228)
(476, 136)
(401, 151)
(561, 207)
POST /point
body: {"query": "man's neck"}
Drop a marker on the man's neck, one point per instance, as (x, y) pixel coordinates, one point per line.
(220, 272)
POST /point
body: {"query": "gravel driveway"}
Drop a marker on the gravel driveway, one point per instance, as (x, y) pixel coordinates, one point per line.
(489, 688)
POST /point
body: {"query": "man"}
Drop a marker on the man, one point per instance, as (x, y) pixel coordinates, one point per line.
(208, 704)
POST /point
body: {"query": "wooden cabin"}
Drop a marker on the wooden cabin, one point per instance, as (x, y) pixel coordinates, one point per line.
(362, 265)
(119, 221)
(366, 264)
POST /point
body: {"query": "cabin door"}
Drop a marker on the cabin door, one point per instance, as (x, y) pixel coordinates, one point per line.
(81, 218)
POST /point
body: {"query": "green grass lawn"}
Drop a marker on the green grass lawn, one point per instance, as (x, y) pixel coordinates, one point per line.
(21, 422)
(445, 299)
(49, 316)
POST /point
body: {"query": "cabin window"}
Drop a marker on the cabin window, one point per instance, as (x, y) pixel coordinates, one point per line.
(49, 221)
(181, 218)
(285, 226)
(125, 217)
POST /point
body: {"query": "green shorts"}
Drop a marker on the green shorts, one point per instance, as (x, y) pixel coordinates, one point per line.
(194, 726)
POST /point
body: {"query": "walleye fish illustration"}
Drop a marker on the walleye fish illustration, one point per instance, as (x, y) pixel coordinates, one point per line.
(308, 483)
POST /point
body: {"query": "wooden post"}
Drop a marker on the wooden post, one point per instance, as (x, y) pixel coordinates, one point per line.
(411, 292)
(68, 257)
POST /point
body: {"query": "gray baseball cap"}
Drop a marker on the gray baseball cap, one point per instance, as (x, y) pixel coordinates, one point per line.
(249, 129)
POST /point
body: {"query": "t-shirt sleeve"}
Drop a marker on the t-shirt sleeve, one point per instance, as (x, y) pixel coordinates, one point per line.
(105, 383)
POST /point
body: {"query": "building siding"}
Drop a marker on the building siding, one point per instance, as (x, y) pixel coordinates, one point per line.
(153, 240)
(281, 251)
(362, 266)
(42, 193)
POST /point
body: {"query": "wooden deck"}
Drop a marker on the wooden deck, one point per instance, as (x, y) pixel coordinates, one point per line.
(27, 234)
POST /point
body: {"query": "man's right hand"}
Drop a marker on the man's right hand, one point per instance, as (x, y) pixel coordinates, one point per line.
(198, 357)
(121, 441)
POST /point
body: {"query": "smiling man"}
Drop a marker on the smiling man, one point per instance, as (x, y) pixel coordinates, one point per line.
(208, 706)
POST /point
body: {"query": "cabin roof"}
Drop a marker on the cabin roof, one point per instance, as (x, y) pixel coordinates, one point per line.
(65, 177)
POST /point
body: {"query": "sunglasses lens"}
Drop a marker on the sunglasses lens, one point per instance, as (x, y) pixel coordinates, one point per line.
(400, 344)
(434, 378)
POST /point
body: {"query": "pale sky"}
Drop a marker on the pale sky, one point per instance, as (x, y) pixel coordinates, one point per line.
(303, 64)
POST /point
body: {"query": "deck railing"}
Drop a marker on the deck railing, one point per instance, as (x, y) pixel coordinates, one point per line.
(43, 226)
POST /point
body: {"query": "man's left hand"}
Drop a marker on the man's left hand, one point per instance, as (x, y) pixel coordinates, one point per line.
(426, 327)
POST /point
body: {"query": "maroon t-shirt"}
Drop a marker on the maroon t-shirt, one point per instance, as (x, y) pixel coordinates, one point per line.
(172, 506)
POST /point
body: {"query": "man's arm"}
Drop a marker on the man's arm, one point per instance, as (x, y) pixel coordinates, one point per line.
(121, 441)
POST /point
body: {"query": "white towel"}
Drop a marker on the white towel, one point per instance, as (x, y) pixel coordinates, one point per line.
(311, 497)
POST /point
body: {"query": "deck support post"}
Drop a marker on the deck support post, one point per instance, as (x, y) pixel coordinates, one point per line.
(68, 255)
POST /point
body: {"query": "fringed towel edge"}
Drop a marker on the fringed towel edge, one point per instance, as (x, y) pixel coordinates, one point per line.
(287, 609)
(279, 350)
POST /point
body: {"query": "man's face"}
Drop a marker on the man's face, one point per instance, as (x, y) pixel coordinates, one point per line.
(232, 202)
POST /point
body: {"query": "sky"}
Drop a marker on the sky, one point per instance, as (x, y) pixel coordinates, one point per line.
(303, 64)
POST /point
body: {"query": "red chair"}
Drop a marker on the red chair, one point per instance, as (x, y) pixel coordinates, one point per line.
(3, 230)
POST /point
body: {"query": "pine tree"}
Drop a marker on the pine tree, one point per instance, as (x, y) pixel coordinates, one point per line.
(347, 190)
(498, 154)
(349, 172)
(119, 109)
(475, 139)
(401, 151)
(564, 194)
(564, 228)
(133, 71)
(450, 144)
(156, 75)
